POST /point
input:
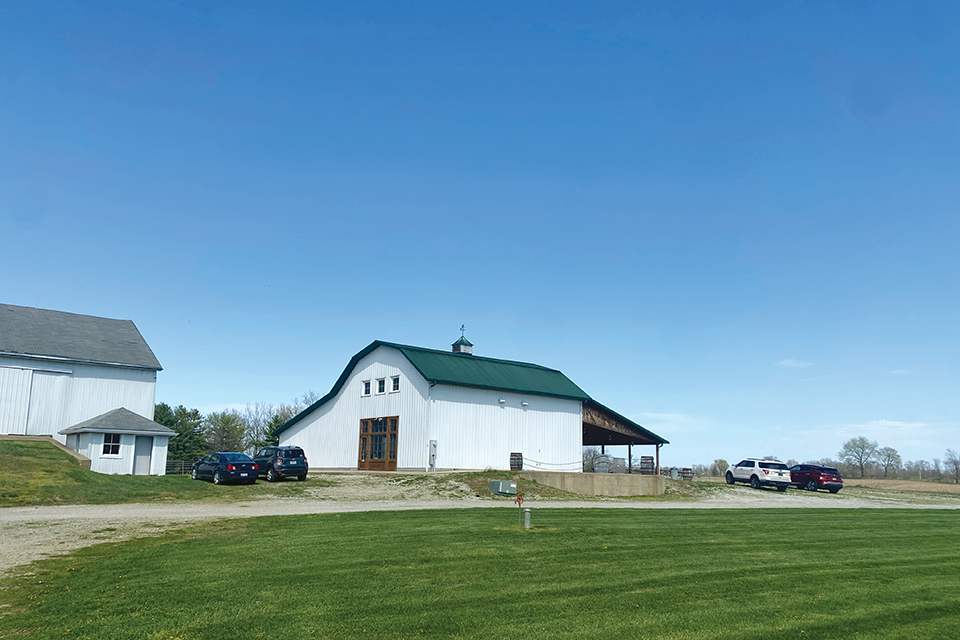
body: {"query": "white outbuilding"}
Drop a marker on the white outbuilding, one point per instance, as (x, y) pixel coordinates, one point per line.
(402, 407)
(66, 375)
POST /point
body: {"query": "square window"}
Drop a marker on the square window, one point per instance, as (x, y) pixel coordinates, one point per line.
(395, 383)
(366, 388)
(381, 385)
(111, 444)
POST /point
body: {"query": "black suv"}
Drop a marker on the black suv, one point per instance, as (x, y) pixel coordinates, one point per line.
(282, 462)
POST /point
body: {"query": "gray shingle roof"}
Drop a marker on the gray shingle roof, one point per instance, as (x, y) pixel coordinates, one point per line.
(56, 334)
(119, 421)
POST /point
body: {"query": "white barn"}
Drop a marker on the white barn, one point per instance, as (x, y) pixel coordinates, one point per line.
(401, 407)
(62, 370)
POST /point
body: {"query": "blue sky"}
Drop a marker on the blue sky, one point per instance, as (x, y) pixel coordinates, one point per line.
(735, 223)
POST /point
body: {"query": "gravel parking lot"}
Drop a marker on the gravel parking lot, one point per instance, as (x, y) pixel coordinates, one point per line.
(31, 533)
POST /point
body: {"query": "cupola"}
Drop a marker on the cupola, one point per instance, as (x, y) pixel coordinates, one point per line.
(463, 346)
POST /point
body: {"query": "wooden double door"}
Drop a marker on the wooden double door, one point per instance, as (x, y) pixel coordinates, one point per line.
(378, 444)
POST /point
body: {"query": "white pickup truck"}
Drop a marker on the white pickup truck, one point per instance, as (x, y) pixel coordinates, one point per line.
(760, 472)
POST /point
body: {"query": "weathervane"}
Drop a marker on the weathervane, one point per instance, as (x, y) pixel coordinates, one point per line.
(462, 327)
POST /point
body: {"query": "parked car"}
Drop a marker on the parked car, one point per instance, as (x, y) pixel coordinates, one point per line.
(226, 466)
(760, 472)
(814, 476)
(278, 463)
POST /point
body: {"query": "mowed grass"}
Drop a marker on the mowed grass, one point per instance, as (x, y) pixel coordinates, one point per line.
(580, 573)
(38, 473)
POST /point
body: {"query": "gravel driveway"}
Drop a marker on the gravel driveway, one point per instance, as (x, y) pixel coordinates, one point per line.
(31, 533)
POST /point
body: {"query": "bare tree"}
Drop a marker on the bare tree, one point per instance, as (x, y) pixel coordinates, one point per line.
(936, 469)
(858, 452)
(889, 459)
(256, 418)
(952, 462)
(590, 455)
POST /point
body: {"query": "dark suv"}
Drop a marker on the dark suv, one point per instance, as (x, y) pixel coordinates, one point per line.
(282, 462)
(814, 476)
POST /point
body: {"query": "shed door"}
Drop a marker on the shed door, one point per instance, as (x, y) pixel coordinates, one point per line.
(141, 455)
(378, 444)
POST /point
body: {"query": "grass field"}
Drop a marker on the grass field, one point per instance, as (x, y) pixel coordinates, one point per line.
(580, 573)
(37, 473)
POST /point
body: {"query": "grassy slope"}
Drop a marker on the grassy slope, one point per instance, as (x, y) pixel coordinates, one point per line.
(37, 473)
(475, 574)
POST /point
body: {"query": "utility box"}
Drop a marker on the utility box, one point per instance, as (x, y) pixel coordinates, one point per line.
(503, 487)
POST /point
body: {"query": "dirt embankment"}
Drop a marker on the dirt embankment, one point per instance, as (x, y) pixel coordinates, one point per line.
(892, 484)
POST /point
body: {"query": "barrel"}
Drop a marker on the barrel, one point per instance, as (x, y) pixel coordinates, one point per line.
(686, 473)
(646, 466)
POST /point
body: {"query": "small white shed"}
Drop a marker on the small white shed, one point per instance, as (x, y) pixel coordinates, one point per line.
(121, 441)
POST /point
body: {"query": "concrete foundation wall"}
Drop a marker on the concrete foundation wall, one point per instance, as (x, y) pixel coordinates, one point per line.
(600, 484)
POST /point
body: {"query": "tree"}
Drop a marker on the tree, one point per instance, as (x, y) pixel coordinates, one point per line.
(718, 468)
(281, 413)
(224, 431)
(858, 452)
(257, 419)
(188, 444)
(888, 459)
(952, 462)
(590, 455)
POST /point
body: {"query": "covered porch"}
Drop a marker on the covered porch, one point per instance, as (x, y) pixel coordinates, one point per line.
(604, 427)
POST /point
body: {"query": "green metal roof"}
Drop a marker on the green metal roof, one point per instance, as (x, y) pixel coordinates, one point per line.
(463, 340)
(444, 367)
(466, 370)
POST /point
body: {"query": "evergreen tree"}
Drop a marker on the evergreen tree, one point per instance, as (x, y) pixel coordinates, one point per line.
(225, 431)
(188, 444)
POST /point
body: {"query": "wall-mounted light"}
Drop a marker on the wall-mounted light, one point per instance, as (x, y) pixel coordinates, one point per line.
(523, 404)
(501, 401)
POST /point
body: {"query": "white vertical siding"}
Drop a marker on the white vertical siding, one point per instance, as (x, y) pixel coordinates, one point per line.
(158, 464)
(48, 398)
(14, 399)
(96, 390)
(474, 430)
(39, 397)
(330, 435)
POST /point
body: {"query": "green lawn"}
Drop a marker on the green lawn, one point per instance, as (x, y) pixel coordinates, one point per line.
(38, 473)
(585, 573)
